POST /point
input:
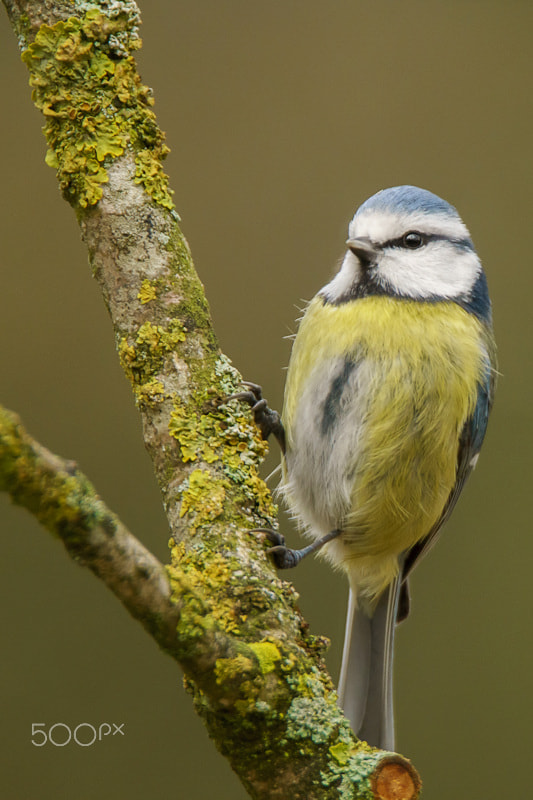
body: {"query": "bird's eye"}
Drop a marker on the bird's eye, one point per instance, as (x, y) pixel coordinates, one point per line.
(413, 240)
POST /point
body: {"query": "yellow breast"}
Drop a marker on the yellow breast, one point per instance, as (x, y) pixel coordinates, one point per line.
(423, 363)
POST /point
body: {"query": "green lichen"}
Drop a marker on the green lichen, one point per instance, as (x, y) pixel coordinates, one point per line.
(341, 752)
(194, 621)
(193, 307)
(351, 766)
(309, 720)
(227, 376)
(63, 500)
(254, 690)
(85, 82)
(353, 775)
(313, 718)
(267, 654)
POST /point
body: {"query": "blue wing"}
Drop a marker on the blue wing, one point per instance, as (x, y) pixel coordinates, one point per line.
(470, 443)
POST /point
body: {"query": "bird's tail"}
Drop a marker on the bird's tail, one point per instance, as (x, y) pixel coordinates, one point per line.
(365, 683)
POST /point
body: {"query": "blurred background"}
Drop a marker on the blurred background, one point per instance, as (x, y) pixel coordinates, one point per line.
(282, 118)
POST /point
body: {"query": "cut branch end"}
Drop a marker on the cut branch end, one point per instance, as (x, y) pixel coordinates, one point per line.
(396, 779)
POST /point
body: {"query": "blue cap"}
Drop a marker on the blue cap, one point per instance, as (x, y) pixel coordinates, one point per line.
(408, 199)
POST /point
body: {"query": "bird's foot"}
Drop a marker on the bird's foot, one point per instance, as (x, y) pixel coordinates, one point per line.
(267, 420)
(285, 557)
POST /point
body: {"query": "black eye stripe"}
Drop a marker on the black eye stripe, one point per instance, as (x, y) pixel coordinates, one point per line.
(465, 244)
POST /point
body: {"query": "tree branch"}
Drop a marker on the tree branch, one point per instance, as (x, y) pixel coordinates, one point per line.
(256, 674)
(66, 503)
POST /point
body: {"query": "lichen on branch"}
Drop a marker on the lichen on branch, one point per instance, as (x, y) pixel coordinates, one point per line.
(65, 502)
(85, 82)
(256, 673)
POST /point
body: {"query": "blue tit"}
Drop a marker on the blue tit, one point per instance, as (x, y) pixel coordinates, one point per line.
(388, 392)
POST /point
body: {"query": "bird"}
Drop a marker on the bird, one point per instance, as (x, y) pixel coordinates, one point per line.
(388, 391)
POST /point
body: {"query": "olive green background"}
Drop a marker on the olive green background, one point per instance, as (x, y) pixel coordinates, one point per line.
(282, 118)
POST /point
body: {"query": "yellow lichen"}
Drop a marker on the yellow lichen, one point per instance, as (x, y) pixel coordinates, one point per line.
(228, 669)
(267, 654)
(143, 358)
(196, 435)
(147, 292)
(148, 172)
(224, 434)
(203, 499)
(150, 393)
(86, 84)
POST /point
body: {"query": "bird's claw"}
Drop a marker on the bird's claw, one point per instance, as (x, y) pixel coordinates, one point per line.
(274, 537)
(253, 396)
(283, 557)
(267, 420)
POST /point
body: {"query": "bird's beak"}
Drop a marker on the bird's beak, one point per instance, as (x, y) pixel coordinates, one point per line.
(364, 249)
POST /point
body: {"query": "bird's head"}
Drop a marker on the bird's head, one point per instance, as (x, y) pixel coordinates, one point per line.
(407, 242)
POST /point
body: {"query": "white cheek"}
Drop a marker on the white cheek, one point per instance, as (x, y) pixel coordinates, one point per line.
(430, 272)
